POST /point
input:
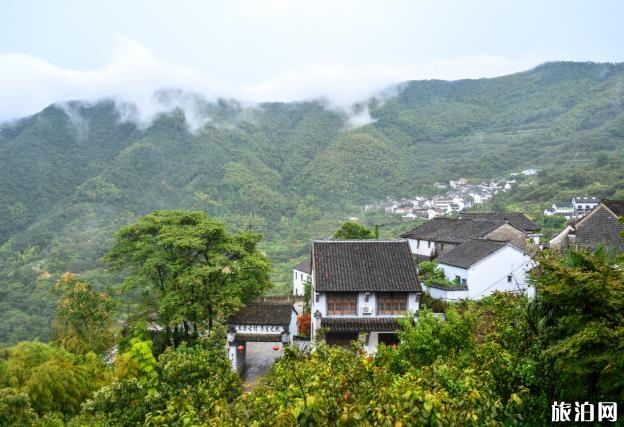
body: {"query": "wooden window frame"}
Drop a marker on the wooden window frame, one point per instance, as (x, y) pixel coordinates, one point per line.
(391, 303)
(341, 304)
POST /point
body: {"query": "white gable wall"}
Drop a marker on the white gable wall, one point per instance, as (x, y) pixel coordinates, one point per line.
(300, 278)
(421, 247)
(491, 273)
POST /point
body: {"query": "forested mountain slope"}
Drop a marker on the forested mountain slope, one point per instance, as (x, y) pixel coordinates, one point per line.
(72, 174)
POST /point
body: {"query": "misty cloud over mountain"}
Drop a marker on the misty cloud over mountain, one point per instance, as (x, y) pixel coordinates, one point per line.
(135, 78)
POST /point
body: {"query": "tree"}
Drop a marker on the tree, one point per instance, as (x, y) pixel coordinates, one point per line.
(15, 409)
(353, 231)
(84, 318)
(192, 271)
(429, 272)
(580, 310)
(53, 378)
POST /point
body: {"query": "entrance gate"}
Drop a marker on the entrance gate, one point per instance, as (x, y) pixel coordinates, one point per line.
(260, 322)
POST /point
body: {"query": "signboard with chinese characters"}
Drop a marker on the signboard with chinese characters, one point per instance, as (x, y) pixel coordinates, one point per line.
(259, 329)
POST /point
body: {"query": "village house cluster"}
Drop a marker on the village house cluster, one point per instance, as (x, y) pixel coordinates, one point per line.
(459, 196)
(578, 207)
(360, 289)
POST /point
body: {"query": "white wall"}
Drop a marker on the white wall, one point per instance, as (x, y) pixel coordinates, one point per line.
(490, 274)
(292, 328)
(424, 248)
(237, 357)
(451, 271)
(446, 295)
(321, 306)
(300, 278)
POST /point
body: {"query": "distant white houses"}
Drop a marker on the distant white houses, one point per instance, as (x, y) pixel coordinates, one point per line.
(480, 267)
(301, 276)
(578, 207)
(583, 205)
(560, 208)
(529, 172)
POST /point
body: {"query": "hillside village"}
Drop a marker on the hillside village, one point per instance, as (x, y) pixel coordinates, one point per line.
(460, 195)
(361, 287)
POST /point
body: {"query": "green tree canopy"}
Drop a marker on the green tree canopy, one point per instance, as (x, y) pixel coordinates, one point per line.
(580, 310)
(84, 318)
(353, 231)
(191, 269)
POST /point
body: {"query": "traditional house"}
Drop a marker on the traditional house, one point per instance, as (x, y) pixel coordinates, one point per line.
(516, 219)
(441, 235)
(479, 267)
(601, 227)
(301, 276)
(583, 205)
(362, 287)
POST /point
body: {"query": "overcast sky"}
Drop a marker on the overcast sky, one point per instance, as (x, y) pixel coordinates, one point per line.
(269, 50)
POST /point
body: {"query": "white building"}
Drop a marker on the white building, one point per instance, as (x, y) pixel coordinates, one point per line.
(583, 205)
(479, 267)
(361, 288)
(560, 208)
(301, 276)
(441, 235)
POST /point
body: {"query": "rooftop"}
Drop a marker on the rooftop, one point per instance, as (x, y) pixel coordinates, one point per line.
(601, 228)
(359, 324)
(615, 206)
(585, 199)
(364, 265)
(470, 252)
(517, 219)
(452, 230)
(304, 266)
(263, 313)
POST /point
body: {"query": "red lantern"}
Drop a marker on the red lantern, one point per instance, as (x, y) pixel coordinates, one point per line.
(275, 347)
(240, 348)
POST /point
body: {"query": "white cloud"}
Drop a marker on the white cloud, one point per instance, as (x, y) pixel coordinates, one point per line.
(133, 74)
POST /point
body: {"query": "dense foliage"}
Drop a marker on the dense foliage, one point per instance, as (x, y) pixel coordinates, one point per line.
(498, 361)
(351, 230)
(191, 272)
(73, 174)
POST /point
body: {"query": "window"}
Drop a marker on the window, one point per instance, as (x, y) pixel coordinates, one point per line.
(509, 278)
(428, 244)
(341, 304)
(417, 244)
(295, 275)
(389, 303)
(464, 282)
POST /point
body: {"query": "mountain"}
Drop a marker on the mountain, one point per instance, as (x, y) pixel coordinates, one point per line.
(75, 172)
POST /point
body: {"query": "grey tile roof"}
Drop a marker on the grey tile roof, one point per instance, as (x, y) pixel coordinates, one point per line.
(364, 265)
(616, 206)
(470, 252)
(517, 219)
(600, 227)
(360, 324)
(452, 230)
(304, 266)
(585, 199)
(263, 313)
